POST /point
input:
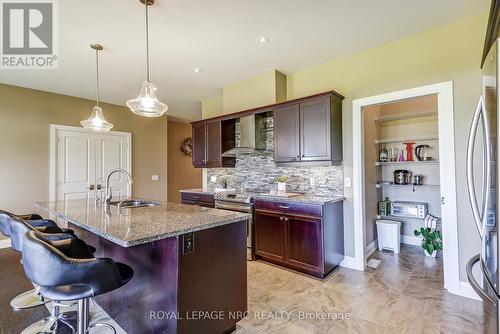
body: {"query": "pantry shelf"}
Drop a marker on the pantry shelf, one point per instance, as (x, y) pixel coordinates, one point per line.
(410, 186)
(407, 115)
(396, 163)
(406, 139)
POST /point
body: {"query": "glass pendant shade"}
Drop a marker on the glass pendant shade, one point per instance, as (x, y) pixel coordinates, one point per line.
(147, 104)
(96, 121)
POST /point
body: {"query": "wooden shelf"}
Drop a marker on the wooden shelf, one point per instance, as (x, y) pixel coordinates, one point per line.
(409, 186)
(407, 139)
(407, 115)
(430, 162)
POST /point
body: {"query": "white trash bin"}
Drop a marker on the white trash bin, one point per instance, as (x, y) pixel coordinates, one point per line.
(388, 234)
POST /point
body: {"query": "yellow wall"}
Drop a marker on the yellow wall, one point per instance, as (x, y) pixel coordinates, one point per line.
(212, 107)
(181, 173)
(25, 115)
(451, 52)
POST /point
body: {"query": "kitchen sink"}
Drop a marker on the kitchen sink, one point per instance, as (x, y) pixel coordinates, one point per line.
(134, 203)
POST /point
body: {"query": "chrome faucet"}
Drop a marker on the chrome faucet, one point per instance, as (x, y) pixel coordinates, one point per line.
(109, 195)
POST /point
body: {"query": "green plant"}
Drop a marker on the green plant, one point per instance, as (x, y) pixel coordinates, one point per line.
(282, 179)
(433, 240)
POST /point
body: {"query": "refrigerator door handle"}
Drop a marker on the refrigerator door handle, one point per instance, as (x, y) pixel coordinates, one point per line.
(486, 169)
(484, 296)
(478, 220)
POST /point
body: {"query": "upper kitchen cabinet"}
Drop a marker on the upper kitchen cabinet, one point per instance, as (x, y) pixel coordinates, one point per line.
(286, 133)
(309, 131)
(210, 139)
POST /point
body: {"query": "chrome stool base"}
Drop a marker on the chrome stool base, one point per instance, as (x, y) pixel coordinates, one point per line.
(50, 325)
(28, 299)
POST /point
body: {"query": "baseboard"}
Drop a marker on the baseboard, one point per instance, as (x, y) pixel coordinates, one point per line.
(467, 291)
(351, 263)
(5, 243)
(371, 248)
(411, 240)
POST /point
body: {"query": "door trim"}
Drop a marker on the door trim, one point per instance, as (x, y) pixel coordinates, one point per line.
(54, 129)
(444, 91)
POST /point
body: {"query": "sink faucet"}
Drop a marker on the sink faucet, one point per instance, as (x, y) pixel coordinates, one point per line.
(109, 194)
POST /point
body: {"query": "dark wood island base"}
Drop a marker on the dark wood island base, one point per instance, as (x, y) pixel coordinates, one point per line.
(179, 288)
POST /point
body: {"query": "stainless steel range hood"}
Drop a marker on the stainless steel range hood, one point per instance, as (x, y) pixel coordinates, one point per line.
(252, 137)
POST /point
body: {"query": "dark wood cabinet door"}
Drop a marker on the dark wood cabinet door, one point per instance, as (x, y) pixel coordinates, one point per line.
(286, 134)
(269, 236)
(199, 142)
(213, 143)
(304, 243)
(315, 136)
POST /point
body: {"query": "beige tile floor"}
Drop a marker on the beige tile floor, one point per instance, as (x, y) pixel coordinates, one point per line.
(403, 295)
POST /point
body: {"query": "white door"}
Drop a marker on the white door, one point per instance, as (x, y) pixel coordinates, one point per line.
(83, 159)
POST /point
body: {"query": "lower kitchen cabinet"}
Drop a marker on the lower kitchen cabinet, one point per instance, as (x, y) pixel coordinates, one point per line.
(270, 235)
(304, 237)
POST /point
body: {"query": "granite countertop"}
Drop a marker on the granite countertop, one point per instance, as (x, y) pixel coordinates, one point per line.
(197, 191)
(303, 198)
(131, 227)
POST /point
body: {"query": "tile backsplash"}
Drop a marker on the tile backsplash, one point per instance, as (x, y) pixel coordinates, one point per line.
(258, 172)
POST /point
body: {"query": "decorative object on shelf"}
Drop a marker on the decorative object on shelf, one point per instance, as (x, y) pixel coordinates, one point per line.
(224, 181)
(402, 176)
(432, 241)
(418, 180)
(96, 121)
(384, 207)
(147, 104)
(281, 180)
(401, 157)
(187, 147)
(384, 155)
(422, 153)
(409, 150)
(393, 154)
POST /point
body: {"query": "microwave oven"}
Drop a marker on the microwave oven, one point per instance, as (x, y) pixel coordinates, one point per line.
(409, 209)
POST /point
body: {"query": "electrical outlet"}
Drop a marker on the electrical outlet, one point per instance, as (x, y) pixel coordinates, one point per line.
(155, 177)
(213, 179)
(347, 182)
(312, 181)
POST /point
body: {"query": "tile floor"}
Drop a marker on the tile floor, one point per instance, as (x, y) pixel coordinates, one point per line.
(403, 295)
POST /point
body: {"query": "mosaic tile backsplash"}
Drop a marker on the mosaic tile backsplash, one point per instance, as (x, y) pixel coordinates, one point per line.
(258, 172)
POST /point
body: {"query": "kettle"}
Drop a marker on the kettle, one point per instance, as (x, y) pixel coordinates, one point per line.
(421, 151)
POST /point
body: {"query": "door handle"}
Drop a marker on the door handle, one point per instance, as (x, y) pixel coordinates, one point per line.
(468, 269)
(470, 164)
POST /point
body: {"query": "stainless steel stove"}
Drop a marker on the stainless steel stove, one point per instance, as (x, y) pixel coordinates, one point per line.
(239, 202)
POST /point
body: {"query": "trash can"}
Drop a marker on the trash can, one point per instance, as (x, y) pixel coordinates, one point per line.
(388, 234)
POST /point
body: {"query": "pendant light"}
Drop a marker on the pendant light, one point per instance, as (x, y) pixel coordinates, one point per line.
(96, 121)
(147, 104)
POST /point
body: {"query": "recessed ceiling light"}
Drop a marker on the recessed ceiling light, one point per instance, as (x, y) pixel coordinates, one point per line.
(263, 39)
(197, 70)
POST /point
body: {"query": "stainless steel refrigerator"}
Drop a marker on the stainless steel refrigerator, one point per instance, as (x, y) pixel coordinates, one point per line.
(483, 194)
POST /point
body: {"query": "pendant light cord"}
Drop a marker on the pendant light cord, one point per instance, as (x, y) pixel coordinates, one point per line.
(97, 75)
(147, 41)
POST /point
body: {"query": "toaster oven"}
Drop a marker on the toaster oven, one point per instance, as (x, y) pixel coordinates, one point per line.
(409, 209)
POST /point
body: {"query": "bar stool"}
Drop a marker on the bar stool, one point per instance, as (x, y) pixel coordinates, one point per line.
(64, 278)
(31, 298)
(59, 322)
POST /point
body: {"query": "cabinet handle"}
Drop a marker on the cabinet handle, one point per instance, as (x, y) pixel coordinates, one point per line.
(196, 197)
(91, 187)
(284, 207)
(286, 219)
(281, 218)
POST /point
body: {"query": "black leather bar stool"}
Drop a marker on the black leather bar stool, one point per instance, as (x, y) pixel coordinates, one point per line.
(59, 322)
(30, 298)
(65, 278)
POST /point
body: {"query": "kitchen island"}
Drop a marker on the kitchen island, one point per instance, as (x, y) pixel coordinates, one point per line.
(189, 263)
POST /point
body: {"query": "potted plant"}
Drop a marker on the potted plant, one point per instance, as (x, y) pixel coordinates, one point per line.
(223, 181)
(281, 180)
(432, 241)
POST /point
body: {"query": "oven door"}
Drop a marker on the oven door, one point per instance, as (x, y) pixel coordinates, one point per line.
(245, 208)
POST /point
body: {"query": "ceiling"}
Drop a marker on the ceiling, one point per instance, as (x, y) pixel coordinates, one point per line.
(220, 38)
